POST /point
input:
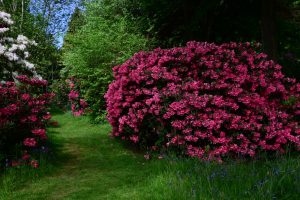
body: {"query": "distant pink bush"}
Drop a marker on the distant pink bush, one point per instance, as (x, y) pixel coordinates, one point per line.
(78, 105)
(205, 100)
(23, 115)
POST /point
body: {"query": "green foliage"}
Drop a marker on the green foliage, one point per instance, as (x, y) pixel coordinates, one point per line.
(290, 101)
(61, 90)
(289, 34)
(106, 38)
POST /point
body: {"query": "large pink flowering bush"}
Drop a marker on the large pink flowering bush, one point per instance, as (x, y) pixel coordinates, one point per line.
(205, 100)
(24, 101)
(23, 117)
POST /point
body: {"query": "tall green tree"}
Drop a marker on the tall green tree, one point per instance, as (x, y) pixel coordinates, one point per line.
(98, 39)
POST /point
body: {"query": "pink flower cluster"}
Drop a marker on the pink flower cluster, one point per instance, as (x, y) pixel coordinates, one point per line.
(78, 105)
(208, 100)
(25, 160)
(23, 112)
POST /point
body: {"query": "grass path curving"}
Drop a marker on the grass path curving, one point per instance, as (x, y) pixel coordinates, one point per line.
(92, 166)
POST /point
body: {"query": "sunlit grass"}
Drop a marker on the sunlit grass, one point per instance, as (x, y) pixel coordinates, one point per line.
(88, 164)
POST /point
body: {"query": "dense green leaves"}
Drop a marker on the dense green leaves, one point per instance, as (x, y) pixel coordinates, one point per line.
(106, 38)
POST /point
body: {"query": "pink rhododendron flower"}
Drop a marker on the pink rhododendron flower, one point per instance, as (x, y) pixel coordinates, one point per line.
(34, 164)
(73, 95)
(134, 138)
(39, 132)
(78, 105)
(26, 156)
(83, 103)
(71, 85)
(47, 116)
(25, 97)
(30, 142)
(32, 118)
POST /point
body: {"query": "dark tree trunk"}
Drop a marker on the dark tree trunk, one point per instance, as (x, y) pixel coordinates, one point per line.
(268, 28)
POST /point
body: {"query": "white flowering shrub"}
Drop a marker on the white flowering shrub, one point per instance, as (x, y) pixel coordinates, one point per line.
(14, 51)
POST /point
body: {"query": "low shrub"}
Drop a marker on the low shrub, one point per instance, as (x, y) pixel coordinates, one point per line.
(68, 96)
(61, 90)
(78, 104)
(205, 100)
(23, 118)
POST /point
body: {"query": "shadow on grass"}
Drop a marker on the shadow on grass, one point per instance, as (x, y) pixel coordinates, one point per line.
(56, 111)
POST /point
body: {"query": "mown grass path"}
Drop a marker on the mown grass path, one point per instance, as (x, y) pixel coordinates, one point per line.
(90, 165)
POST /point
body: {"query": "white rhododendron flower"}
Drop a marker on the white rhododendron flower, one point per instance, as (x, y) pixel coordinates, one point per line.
(13, 52)
(28, 65)
(6, 18)
(11, 56)
(3, 30)
(22, 47)
(2, 49)
(26, 54)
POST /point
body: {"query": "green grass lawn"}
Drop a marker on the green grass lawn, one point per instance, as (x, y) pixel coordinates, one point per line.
(88, 164)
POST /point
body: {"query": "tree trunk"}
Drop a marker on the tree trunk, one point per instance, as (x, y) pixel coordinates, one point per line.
(22, 15)
(268, 28)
